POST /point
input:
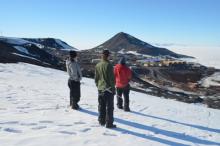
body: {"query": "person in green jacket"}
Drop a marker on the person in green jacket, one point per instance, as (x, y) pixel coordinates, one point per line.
(105, 82)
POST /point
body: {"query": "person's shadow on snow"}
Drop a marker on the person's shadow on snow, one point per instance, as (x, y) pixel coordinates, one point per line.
(171, 134)
(181, 123)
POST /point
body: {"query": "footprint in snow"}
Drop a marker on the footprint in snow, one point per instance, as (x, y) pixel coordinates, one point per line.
(79, 123)
(23, 112)
(12, 130)
(39, 127)
(42, 109)
(85, 130)
(28, 124)
(156, 132)
(48, 122)
(143, 109)
(108, 134)
(10, 122)
(154, 125)
(65, 125)
(25, 107)
(95, 125)
(67, 132)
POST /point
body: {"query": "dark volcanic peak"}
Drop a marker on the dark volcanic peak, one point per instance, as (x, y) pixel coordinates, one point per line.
(132, 40)
(125, 42)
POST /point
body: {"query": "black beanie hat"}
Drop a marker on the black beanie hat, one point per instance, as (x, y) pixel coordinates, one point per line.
(72, 54)
(106, 52)
(122, 61)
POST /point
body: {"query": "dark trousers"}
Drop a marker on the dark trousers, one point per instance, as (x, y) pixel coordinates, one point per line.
(125, 91)
(74, 92)
(106, 107)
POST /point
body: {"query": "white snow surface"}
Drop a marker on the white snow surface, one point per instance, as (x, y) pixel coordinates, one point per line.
(25, 56)
(21, 49)
(34, 112)
(213, 80)
(134, 52)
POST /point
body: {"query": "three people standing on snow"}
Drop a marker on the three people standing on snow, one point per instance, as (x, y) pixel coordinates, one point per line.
(106, 79)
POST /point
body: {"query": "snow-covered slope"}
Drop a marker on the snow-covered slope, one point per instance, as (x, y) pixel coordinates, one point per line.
(64, 45)
(34, 112)
(213, 80)
(39, 42)
(14, 40)
(46, 52)
(52, 43)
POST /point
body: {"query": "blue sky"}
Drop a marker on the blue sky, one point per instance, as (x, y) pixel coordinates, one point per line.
(88, 23)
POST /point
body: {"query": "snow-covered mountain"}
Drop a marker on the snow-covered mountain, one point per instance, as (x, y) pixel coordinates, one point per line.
(40, 42)
(45, 51)
(52, 43)
(34, 112)
(28, 53)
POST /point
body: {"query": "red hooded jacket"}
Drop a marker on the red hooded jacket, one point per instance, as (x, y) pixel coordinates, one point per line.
(122, 75)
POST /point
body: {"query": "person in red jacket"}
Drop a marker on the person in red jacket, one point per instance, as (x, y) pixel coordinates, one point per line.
(123, 75)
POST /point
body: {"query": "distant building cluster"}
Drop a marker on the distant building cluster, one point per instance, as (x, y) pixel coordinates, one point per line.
(160, 62)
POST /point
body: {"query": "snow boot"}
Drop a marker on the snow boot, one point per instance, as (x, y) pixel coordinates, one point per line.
(119, 106)
(110, 126)
(102, 123)
(127, 109)
(75, 106)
